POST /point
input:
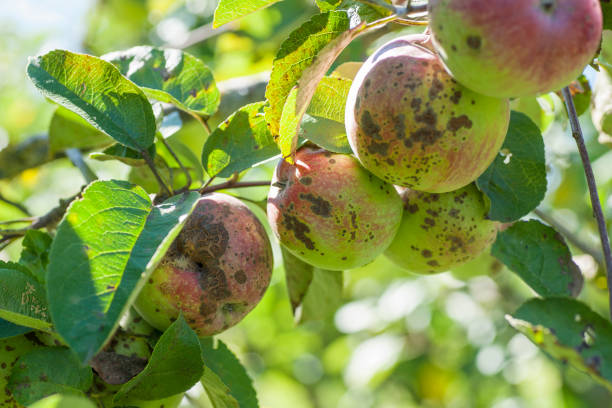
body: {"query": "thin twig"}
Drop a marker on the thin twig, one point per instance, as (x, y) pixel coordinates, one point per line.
(207, 186)
(48, 220)
(18, 221)
(588, 171)
(76, 158)
(180, 163)
(160, 181)
(570, 236)
(16, 205)
(233, 184)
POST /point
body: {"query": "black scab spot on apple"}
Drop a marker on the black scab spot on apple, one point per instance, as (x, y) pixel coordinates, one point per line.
(240, 277)
(319, 206)
(455, 97)
(369, 126)
(456, 123)
(299, 230)
(474, 42)
(305, 181)
(436, 87)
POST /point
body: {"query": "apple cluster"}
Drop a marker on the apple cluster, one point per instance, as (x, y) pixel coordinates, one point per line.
(425, 116)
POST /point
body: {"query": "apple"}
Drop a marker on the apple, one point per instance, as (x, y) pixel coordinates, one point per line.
(515, 48)
(330, 212)
(441, 231)
(214, 273)
(411, 124)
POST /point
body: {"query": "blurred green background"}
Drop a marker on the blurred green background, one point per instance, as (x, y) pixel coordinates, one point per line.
(398, 340)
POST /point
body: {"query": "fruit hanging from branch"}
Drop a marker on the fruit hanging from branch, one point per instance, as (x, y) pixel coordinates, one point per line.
(330, 212)
(412, 124)
(215, 272)
(441, 231)
(515, 48)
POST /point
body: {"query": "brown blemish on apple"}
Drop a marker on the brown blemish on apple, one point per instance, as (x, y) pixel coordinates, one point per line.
(319, 205)
(474, 42)
(299, 229)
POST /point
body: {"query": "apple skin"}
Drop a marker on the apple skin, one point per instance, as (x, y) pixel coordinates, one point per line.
(411, 124)
(330, 212)
(215, 272)
(515, 48)
(441, 231)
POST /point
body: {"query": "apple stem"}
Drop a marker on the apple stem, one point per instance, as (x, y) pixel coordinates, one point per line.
(595, 203)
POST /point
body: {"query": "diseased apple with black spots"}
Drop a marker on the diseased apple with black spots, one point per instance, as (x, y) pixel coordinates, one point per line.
(411, 124)
(515, 48)
(215, 272)
(441, 231)
(123, 358)
(330, 212)
(10, 350)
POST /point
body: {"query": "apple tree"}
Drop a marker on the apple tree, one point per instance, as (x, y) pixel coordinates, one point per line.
(428, 154)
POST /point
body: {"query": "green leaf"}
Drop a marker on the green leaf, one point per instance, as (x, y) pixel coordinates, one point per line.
(364, 12)
(68, 130)
(22, 298)
(301, 62)
(97, 91)
(570, 332)
(35, 254)
(218, 393)
(314, 293)
(47, 371)
(174, 367)
(63, 401)
(328, 5)
(242, 141)
(170, 75)
(230, 10)
(606, 9)
(540, 256)
(230, 371)
(581, 92)
(605, 54)
(106, 246)
(329, 99)
(123, 154)
(515, 182)
(328, 134)
(8, 329)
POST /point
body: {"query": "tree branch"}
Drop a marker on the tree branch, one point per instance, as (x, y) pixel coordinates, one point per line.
(16, 205)
(588, 171)
(233, 183)
(48, 220)
(75, 156)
